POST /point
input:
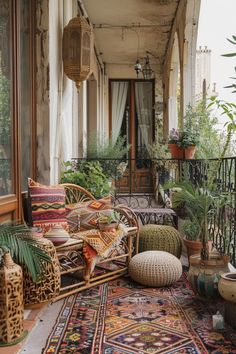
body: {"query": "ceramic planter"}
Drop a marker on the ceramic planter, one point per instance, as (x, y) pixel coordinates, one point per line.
(227, 289)
(227, 286)
(176, 151)
(57, 235)
(204, 275)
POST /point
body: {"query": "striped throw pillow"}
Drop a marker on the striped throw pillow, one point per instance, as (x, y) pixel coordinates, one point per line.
(47, 204)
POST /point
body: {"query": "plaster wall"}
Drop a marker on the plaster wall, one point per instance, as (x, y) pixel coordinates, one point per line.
(177, 28)
(190, 43)
(185, 26)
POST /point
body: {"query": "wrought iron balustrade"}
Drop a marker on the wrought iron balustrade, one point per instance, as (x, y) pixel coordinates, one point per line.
(128, 188)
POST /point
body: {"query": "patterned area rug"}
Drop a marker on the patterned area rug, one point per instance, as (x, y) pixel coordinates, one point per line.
(124, 318)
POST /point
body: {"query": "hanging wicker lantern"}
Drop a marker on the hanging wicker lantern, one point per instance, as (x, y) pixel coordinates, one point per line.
(11, 302)
(77, 47)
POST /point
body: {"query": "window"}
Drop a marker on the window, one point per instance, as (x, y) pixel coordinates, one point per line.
(17, 104)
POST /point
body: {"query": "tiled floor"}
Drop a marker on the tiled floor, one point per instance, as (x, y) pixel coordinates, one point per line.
(30, 320)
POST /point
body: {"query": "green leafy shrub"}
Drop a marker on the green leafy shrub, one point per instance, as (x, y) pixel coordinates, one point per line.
(89, 175)
(109, 153)
(191, 230)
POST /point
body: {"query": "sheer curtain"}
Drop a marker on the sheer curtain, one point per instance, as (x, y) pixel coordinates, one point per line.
(143, 103)
(119, 90)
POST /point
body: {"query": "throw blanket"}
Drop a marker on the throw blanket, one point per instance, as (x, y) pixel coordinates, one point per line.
(100, 244)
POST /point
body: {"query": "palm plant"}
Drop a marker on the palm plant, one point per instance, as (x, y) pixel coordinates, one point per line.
(204, 200)
(202, 203)
(24, 249)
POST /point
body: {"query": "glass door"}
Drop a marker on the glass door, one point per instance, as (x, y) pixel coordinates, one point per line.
(131, 108)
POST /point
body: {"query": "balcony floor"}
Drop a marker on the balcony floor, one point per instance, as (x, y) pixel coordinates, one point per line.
(37, 338)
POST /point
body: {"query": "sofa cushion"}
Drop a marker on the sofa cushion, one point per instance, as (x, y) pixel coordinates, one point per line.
(47, 205)
(84, 215)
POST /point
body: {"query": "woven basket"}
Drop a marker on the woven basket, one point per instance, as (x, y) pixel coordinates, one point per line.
(155, 268)
(161, 238)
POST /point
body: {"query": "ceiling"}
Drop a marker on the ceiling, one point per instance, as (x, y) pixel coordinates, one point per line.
(127, 29)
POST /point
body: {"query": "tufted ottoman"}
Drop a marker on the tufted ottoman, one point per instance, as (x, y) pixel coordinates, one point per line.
(155, 268)
(161, 238)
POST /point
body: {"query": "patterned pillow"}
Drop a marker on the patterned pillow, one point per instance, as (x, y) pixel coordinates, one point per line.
(47, 205)
(84, 215)
(103, 242)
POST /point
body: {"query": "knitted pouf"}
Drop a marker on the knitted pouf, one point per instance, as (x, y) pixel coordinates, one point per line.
(155, 268)
(161, 238)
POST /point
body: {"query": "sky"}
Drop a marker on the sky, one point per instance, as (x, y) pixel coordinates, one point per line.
(217, 23)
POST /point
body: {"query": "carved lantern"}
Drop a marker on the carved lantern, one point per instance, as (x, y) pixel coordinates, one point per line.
(11, 302)
(77, 49)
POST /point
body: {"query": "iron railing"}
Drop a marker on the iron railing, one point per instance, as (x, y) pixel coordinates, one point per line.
(139, 187)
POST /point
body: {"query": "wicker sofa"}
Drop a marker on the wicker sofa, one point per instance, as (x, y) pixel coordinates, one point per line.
(73, 263)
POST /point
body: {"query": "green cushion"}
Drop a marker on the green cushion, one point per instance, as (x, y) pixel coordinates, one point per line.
(161, 238)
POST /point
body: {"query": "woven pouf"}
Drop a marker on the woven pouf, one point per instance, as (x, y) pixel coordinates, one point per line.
(155, 268)
(160, 237)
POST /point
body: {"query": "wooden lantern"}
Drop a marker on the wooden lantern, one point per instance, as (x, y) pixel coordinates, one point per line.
(11, 302)
(77, 49)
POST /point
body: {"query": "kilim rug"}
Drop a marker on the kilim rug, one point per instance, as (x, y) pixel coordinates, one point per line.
(121, 317)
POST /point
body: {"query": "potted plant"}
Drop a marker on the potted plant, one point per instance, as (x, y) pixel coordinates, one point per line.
(203, 202)
(173, 144)
(108, 221)
(188, 143)
(192, 239)
(110, 153)
(37, 257)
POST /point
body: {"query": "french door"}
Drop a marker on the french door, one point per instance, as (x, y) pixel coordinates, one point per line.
(132, 116)
(17, 103)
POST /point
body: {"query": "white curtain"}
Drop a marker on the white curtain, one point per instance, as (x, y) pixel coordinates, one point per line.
(119, 91)
(143, 102)
(63, 94)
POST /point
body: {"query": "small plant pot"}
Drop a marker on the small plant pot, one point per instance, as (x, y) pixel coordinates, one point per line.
(193, 247)
(108, 226)
(189, 152)
(176, 151)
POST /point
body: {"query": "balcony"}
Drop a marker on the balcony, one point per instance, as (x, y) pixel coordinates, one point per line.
(142, 186)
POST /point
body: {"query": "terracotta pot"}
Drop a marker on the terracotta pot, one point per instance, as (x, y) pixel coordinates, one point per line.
(204, 275)
(57, 235)
(227, 286)
(193, 247)
(189, 152)
(176, 151)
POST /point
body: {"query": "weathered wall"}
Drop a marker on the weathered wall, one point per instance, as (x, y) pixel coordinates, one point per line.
(179, 28)
(185, 25)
